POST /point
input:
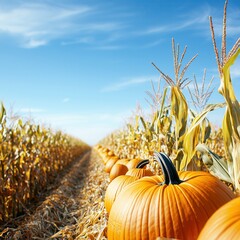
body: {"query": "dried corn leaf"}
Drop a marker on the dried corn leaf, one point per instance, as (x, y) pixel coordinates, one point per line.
(179, 110)
(192, 137)
(231, 122)
(216, 165)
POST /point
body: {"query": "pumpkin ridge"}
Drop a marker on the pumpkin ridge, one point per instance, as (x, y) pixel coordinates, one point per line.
(179, 210)
(190, 200)
(147, 211)
(130, 214)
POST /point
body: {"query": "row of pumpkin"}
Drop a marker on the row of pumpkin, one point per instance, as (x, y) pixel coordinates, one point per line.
(175, 205)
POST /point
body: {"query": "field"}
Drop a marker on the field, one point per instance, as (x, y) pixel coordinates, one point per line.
(71, 208)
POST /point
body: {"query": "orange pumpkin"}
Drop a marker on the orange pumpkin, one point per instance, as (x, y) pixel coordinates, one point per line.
(133, 163)
(177, 207)
(115, 187)
(140, 170)
(117, 170)
(120, 182)
(224, 223)
(110, 163)
(124, 161)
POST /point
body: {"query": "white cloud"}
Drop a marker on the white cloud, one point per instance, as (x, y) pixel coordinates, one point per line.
(31, 110)
(129, 82)
(36, 24)
(199, 20)
(185, 22)
(34, 43)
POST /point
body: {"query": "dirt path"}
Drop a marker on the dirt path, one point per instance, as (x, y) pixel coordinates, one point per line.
(74, 209)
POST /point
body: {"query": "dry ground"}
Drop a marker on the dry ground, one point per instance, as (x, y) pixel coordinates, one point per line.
(72, 208)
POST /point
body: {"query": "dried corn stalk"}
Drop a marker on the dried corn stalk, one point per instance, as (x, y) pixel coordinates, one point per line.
(231, 121)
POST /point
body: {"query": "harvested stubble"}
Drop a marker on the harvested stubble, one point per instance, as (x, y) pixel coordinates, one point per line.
(75, 210)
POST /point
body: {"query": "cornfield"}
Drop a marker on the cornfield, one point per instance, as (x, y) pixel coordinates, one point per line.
(31, 157)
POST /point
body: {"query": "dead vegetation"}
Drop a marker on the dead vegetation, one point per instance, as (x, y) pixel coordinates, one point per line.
(74, 210)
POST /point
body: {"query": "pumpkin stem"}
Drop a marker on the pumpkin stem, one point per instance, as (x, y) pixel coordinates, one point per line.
(169, 171)
(142, 164)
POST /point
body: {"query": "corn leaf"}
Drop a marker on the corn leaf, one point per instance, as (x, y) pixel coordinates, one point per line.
(231, 122)
(179, 110)
(2, 112)
(192, 137)
(216, 165)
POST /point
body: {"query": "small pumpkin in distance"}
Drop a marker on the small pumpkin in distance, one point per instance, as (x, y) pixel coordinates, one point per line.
(176, 207)
(133, 163)
(140, 170)
(110, 163)
(117, 170)
(224, 223)
(124, 161)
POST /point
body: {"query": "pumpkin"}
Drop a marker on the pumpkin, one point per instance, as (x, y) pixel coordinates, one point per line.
(110, 153)
(115, 187)
(110, 163)
(117, 170)
(120, 182)
(176, 207)
(124, 161)
(133, 163)
(140, 170)
(224, 223)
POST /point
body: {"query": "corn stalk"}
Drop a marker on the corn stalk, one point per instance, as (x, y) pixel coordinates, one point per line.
(231, 120)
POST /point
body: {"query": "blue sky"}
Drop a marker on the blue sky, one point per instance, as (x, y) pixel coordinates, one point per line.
(83, 66)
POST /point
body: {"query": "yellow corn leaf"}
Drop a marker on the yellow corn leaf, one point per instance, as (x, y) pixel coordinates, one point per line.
(192, 137)
(137, 122)
(227, 134)
(231, 122)
(205, 130)
(191, 140)
(2, 112)
(226, 89)
(179, 110)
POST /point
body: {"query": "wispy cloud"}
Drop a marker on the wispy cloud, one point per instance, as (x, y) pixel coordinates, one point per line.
(184, 22)
(129, 82)
(199, 20)
(36, 24)
(31, 110)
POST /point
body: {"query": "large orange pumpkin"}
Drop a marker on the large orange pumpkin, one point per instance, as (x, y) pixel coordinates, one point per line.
(224, 223)
(177, 207)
